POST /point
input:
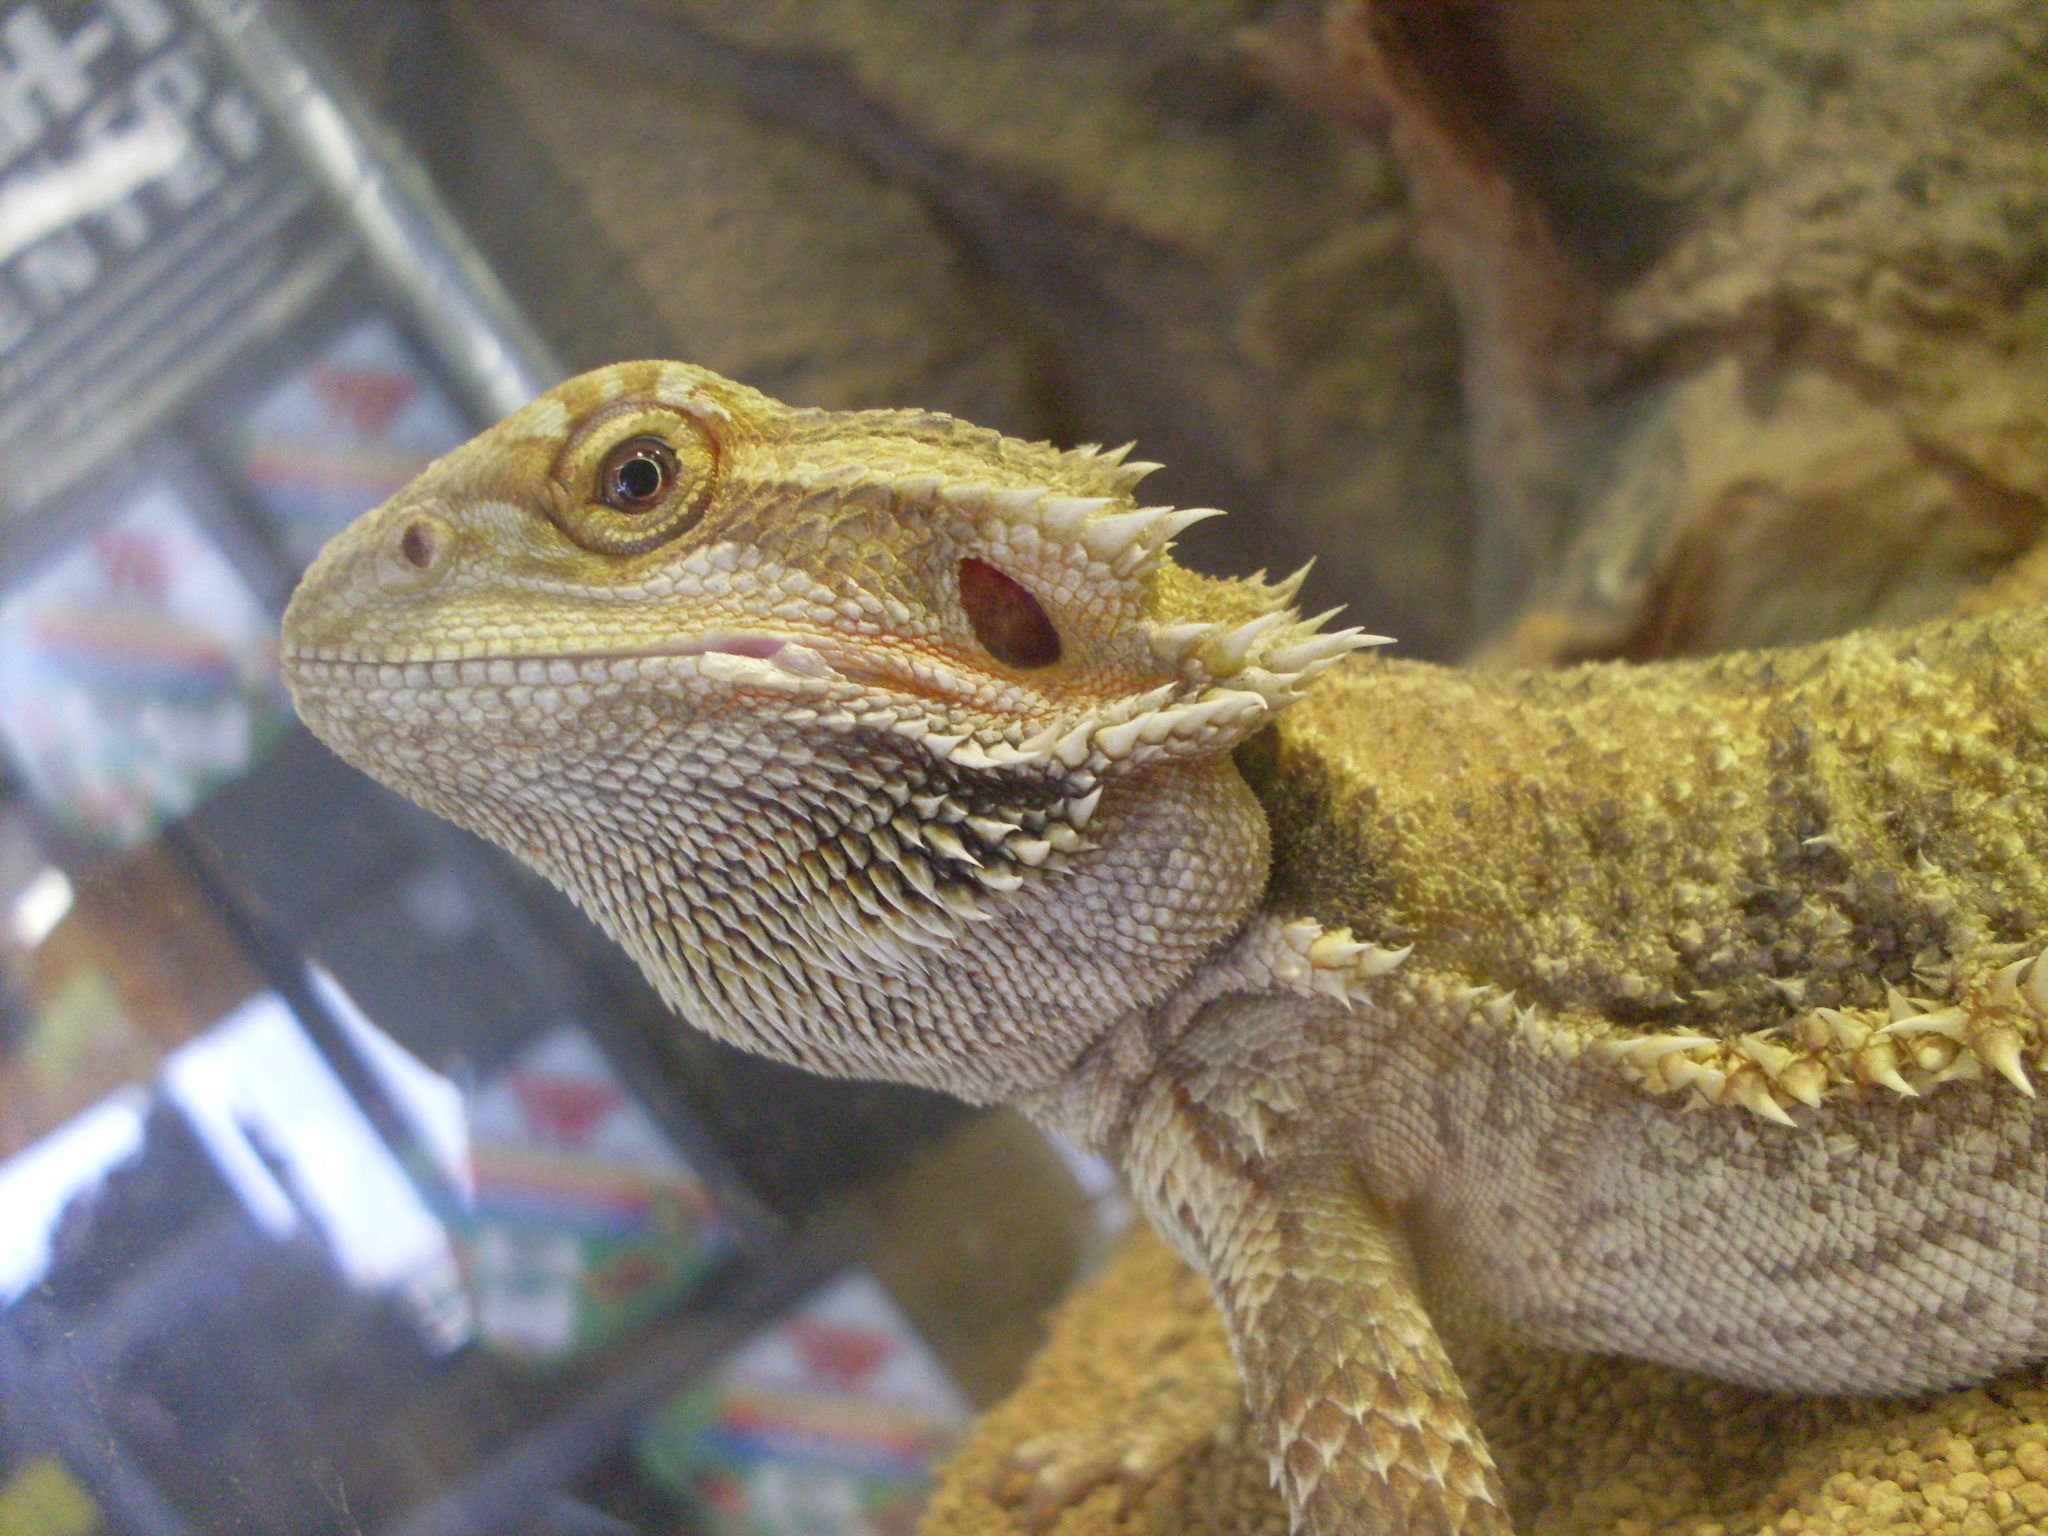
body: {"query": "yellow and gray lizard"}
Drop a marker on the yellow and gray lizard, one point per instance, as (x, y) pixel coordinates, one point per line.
(1689, 1012)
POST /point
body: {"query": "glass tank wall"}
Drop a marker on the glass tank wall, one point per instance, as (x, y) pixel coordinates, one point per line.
(348, 1181)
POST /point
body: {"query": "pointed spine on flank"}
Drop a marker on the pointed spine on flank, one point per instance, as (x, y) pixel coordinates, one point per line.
(1294, 954)
(1329, 962)
(1998, 1024)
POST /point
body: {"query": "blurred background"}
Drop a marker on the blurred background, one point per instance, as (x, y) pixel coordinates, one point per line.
(348, 1181)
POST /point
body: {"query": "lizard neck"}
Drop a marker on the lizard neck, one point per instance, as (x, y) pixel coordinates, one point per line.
(780, 889)
(1063, 967)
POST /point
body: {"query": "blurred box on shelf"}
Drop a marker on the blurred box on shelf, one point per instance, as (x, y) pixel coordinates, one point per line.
(585, 1220)
(827, 1423)
(339, 432)
(137, 670)
(154, 222)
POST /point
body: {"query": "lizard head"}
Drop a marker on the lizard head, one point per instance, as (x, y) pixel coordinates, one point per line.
(886, 744)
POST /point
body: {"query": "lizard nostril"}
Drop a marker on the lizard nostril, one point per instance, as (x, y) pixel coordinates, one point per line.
(418, 545)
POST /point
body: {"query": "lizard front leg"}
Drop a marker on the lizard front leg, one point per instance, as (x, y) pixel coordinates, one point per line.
(1366, 1425)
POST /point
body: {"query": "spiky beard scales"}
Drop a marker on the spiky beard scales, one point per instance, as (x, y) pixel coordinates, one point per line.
(843, 898)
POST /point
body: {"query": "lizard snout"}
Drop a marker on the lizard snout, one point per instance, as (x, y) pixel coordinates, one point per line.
(381, 557)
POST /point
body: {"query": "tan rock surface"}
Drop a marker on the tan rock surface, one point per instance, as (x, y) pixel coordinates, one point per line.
(1812, 390)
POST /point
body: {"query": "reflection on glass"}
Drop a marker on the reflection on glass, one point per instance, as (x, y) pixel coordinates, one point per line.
(340, 432)
(296, 1148)
(136, 670)
(37, 1184)
(830, 1420)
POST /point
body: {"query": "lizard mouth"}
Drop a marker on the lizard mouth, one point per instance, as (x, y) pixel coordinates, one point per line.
(748, 655)
(789, 651)
(808, 660)
(761, 647)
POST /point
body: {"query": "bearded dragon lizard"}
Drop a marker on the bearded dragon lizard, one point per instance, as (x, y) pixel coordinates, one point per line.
(1690, 1012)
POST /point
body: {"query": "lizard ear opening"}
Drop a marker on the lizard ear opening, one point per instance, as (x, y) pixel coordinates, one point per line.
(1009, 622)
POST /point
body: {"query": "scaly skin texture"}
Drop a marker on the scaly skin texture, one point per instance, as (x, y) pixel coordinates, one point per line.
(1688, 1012)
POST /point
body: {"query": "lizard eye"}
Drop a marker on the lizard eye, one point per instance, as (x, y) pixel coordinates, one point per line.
(646, 479)
(636, 474)
(1009, 622)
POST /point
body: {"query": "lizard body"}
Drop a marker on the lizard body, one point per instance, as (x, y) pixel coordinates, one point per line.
(1690, 1012)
